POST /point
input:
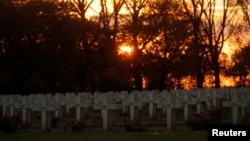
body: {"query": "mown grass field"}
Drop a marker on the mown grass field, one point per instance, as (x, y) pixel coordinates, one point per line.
(155, 130)
(97, 134)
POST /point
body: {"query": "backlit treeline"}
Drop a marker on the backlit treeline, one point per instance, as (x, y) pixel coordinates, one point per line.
(72, 45)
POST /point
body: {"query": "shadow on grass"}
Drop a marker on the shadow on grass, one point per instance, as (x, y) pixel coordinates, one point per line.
(97, 134)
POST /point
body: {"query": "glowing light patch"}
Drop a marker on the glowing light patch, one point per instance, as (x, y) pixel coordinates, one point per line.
(125, 49)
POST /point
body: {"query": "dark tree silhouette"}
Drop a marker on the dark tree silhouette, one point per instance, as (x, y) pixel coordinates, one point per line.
(40, 48)
(212, 27)
(170, 33)
(241, 66)
(135, 24)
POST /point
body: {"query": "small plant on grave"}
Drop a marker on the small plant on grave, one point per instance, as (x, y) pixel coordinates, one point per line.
(74, 126)
(132, 128)
(10, 124)
(54, 122)
(214, 117)
(201, 122)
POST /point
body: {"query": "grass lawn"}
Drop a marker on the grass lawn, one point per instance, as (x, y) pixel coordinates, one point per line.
(97, 134)
(155, 130)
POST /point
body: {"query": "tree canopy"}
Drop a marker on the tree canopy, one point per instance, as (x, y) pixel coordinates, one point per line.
(53, 46)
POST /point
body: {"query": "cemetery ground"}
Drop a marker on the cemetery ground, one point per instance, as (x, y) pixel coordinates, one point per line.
(97, 134)
(135, 116)
(153, 129)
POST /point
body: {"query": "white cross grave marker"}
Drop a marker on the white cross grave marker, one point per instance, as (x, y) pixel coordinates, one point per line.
(106, 104)
(82, 103)
(60, 103)
(26, 110)
(133, 103)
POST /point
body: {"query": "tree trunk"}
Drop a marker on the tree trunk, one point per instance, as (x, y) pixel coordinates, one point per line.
(137, 79)
(199, 75)
(217, 75)
(162, 81)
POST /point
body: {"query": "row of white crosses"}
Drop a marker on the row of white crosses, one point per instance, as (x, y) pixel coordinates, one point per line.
(81, 102)
(168, 101)
(10, 104)
(239, 102)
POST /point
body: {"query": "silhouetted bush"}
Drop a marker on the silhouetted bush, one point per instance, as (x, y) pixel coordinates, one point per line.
(74, 126)
(54, 122)
(201, 122)
(9, 124)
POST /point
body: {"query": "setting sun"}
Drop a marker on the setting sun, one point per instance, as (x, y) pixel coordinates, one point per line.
(125, 49)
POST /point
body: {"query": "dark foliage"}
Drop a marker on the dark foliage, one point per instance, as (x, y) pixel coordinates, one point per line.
(201, 122)
(133, 128)
(74, 127)
(130, 128)
(45, 48)
(54, 122)
(10, 124)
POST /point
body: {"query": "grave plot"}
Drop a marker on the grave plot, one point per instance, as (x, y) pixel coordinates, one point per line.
(76, 108)
(22, 108)
(1, 104)
(168, 104)
(245, 99)
(60, 105)
(44, 104)
(70, 103)
(124, 97)
(201, 102)
(238, 103)
(106, 104)
(189, 99)
(150, 98)
(25, 105)
(135, 107)
(83, 102)
(133, 103)
(8, 106)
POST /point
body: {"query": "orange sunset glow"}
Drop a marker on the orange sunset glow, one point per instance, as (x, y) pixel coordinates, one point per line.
(228, 48)
(125, 49)
(95, 8)
(155, 44)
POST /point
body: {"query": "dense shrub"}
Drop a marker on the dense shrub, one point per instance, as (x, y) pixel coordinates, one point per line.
(201, 122)
(10, 124)
(74, 126)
